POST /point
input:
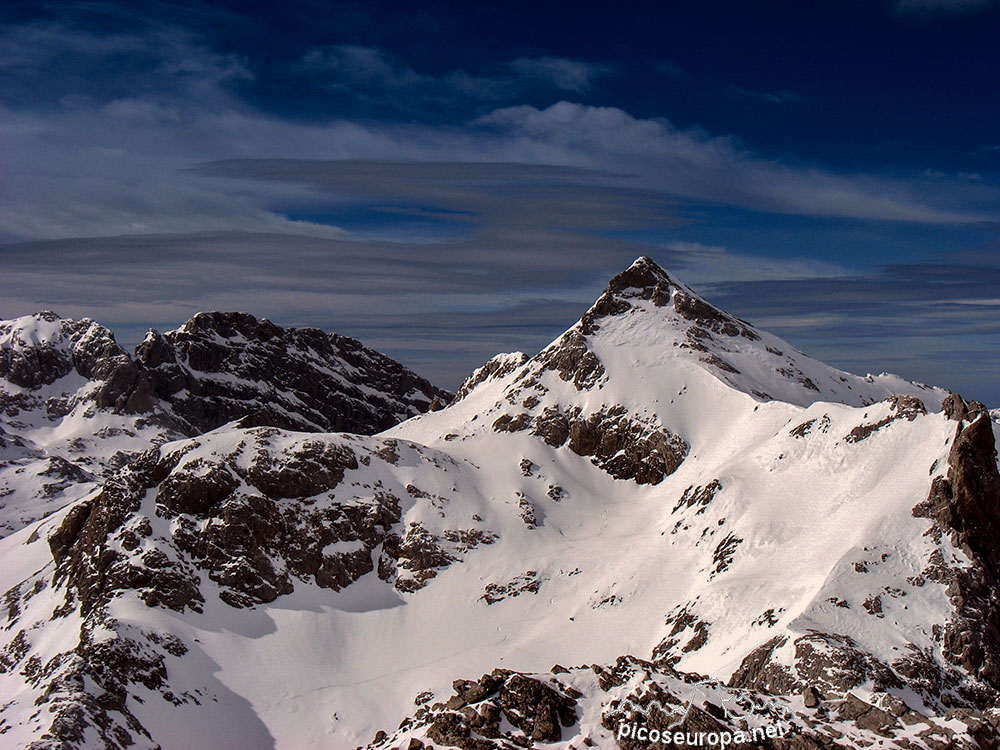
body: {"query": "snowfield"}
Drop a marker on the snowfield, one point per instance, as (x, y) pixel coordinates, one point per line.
(663, 483)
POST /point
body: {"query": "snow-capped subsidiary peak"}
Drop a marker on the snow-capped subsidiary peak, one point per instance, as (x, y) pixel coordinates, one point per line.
(647, 325)
(499, 366)
(65, 421)
(76, 406)
(37, 350)
(221, 366)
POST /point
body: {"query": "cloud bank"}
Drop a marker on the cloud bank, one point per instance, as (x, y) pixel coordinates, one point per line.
(141, 186)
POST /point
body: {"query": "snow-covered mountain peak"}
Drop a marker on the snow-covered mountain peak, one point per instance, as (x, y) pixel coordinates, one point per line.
(220, 366)
(649, 336)
(611, 501)
(675, 302)
(75, 406)
(38, 349)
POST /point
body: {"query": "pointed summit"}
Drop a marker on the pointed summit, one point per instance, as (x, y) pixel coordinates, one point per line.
(647, 324)
(644, 273)
(645, 280)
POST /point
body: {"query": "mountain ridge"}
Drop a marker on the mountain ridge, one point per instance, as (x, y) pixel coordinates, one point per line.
(614, 502)
(77, 406)
(684, 320)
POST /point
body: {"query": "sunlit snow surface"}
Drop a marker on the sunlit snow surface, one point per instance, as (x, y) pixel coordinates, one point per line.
(614, 559)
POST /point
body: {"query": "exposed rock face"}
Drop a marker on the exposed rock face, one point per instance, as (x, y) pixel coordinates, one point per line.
(956, 408)
(642, 280)
(218, 367)
(900, 407)
(249, 519)
(651, 696)
(498, 367)
(833, 664)
(572, 359)
(625, 447)
(479, 713)
(58, 379)
(645, 280)
(965, 505)
(620, 443)
(40, 350)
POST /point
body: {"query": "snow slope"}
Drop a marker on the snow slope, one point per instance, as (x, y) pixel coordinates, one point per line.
(58, 435)
(663, 483)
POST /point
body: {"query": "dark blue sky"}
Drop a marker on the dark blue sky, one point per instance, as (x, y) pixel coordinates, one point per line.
(448, 180)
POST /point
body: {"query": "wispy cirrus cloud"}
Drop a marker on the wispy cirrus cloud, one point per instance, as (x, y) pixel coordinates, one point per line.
(141, 185)
(709, 265)
(942, 7)
(56, 64)
(695, 165)
(568, 75)
(781, 96)
(372, 74)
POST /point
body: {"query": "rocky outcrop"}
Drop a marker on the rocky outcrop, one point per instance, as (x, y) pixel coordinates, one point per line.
(499, 710)
(954, 407)
(623, 444)
(219, 367)
(900, 407)
(626, 447)
(39, 349)
(248, 519)
(965, 506)
(642, 702)
(645, 280)
(498, 367)
(255, 517)
(642, 280)
(573, 361)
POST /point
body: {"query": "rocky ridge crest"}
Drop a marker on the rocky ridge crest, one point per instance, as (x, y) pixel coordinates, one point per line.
(99, 407)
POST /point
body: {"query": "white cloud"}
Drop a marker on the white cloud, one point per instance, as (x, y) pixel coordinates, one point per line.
(710, 264)
(369, 71)
(698, 166)
(88, 170)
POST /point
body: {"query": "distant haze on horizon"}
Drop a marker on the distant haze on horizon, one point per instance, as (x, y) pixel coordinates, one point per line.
(447, 181)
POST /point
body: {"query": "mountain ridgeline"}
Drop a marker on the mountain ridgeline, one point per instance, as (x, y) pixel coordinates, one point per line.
(219, 367)
(665, 521)
(77, 406)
